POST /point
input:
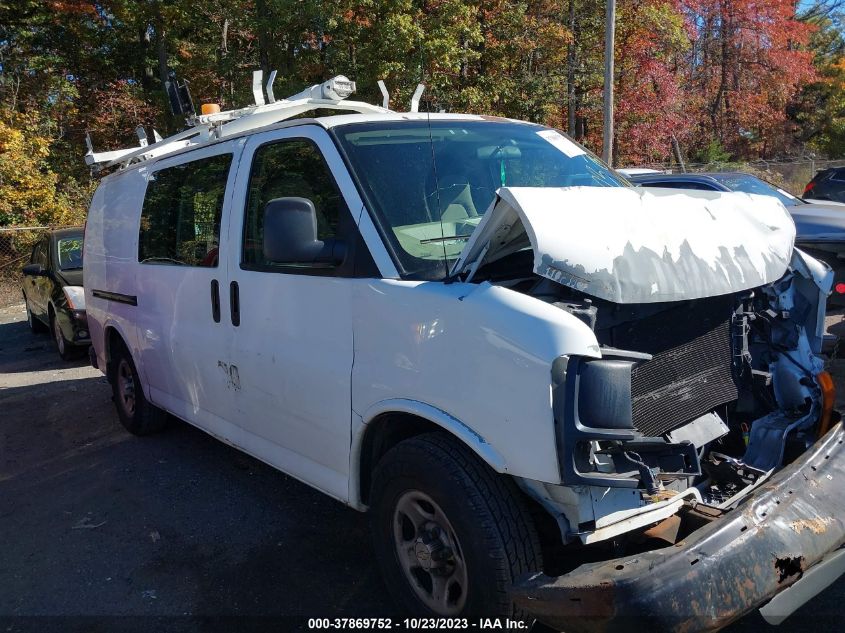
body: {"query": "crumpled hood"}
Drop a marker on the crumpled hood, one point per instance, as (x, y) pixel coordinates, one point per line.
(638, 245)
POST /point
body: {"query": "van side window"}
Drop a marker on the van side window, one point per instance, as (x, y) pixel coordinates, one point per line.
(289, 168)
(180, 219)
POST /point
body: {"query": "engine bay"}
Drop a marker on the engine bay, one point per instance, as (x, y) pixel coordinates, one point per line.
(721, 391)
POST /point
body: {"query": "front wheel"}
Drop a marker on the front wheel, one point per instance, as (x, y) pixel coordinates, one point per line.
(451, 535)
(65, 348)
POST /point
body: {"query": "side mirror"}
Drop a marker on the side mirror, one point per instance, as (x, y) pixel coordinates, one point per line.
(34, 270)
(290, 234)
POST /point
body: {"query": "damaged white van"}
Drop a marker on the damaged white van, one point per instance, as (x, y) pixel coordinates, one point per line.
(559, 397)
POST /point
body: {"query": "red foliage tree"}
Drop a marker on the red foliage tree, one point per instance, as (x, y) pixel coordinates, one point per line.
(747, 61)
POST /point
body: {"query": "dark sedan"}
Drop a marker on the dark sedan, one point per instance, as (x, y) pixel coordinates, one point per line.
(827, 184)
(52, 290)
(820, 228)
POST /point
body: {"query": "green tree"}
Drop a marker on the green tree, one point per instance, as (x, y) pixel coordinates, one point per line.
(819, 110)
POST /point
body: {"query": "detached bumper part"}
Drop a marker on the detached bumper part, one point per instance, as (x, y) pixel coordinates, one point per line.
(765, 550)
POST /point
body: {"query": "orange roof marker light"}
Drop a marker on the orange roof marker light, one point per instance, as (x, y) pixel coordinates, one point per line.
(210, 108)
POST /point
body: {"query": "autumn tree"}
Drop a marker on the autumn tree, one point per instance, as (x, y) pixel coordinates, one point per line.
(652, 103)
(748, 60)
(734, 78)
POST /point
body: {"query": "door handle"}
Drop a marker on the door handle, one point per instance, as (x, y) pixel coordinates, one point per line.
(215, 300)
(235, 303)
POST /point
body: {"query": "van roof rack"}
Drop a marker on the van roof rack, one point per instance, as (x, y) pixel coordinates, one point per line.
(212, 124)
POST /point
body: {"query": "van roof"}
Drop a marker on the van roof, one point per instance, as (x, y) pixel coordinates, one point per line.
(327, 122)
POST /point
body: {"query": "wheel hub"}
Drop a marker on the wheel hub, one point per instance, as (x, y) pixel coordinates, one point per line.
(431, 552)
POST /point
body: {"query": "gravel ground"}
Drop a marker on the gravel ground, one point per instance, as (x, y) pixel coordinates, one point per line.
(10, 291)
(101, 531)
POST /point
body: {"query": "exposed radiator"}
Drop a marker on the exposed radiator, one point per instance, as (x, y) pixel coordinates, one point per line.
(690, 372)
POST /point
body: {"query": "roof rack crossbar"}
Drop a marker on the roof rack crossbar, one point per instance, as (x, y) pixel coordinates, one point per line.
(203, 128)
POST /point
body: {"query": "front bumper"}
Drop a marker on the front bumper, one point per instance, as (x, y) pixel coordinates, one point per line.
(720, 572)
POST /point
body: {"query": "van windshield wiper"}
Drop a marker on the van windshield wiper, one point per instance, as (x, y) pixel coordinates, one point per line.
(163, 260)
(445, 238)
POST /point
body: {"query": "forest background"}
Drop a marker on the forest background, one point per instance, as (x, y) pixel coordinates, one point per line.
(731, 80)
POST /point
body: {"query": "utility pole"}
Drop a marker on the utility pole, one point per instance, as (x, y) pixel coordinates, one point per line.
(609, 36)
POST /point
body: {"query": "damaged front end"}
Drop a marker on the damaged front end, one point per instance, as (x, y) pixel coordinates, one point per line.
(704, 425)
(781, 547)
(702, 399)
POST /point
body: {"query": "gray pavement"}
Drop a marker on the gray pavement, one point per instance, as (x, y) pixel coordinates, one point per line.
(101, 531)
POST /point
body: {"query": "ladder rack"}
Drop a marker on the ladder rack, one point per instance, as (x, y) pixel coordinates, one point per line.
(205, 128)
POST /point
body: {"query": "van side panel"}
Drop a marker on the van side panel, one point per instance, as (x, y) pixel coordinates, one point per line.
(111, 246)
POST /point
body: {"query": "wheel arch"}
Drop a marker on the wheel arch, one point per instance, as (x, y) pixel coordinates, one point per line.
(113, 336)
(389, 422)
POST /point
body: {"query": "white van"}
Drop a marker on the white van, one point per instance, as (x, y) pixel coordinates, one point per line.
(558, 396)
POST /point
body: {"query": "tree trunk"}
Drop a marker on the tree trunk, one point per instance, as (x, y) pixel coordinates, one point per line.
(571, 60)
(161, 49)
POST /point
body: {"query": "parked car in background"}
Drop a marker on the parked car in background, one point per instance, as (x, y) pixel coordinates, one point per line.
(53, 293)
(820, 226)
(827, 184)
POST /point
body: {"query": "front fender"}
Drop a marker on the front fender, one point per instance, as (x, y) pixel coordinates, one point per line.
(449, 423)
(480, 356)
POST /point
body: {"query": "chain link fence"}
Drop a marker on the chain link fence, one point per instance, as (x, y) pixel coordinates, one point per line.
(15, 249)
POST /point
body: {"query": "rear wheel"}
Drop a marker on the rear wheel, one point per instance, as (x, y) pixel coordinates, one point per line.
(136, 413)
(451, 535)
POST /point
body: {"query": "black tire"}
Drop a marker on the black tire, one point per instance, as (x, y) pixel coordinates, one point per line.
(67, 350)
(136, 413)
(35, 325)
(494, 535)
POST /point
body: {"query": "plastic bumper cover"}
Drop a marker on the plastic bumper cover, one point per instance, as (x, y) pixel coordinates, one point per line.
(720, 572)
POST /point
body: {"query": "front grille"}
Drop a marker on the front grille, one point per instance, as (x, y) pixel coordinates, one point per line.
(690, 372)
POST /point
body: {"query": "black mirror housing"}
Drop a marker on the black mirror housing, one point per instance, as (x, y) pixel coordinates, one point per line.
(34, 270)
(290, 234)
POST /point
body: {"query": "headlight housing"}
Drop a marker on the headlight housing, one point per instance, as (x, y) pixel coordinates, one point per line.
(75, 296)
(593, 411)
